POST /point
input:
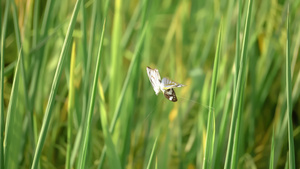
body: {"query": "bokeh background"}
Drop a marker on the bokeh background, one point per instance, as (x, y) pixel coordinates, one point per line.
(177, 37)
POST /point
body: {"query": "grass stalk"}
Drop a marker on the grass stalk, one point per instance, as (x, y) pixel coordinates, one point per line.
(237, 93)
(54, 87)
(271, 165)
(152, 154)
(116, 66)
(2, 43)
(113, 158)
(28, 106)
(210, 138)
(70, 106)
(125, 86)
(289, 99)
(91, 103)
(10, 117)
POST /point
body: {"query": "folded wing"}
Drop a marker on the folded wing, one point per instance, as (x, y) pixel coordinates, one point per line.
(154, 78)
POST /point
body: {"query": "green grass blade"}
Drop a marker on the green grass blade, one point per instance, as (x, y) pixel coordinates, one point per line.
(88, 59)
(2, 43)
(116, 66)
(152, 154)
(131, 24)
(237, 93)
(121, 98)
(271, 165)
(9, 69)
(289, 99)
(28, 106)
(35, 36)
(84, 32)
(224, 123)
(236, 145)
(44, 34)
(210, 138)
(237, 47)
(125, 86)
(54, 87)
(70, 106)
(35, 39)
(286, 166)
(11, 113)
(92, 102)
(113, 158)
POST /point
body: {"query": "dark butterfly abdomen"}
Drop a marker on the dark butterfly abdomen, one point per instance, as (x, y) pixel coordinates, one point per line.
(170, 95)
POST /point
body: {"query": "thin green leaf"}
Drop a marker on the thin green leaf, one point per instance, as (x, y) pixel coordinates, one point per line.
(210, 138)
(116, 62)
(91, 103)
(3, 35)
(152, 154)
(289, 99)
(10, 117)
(70, 106)
(234, 157)
(28, 106)
(271, 165)
(237, 93)
(125, 86)
(54, 87)
(113, 158)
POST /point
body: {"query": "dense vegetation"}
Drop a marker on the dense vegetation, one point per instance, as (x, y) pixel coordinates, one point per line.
(75, 91)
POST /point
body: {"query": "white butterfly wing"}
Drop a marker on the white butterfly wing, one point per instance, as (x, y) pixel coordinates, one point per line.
(168, 84)
(154, 78)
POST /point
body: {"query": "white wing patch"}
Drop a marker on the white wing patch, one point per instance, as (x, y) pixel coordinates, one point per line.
(165, 85)
(168, 84)
(154, 78)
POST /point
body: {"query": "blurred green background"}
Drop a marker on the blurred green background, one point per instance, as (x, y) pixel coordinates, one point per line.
(58, 112)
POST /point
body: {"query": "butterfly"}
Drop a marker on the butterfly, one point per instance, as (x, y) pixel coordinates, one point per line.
(165, 85)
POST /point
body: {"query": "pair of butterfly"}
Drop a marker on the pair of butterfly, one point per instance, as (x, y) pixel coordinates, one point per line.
(165, 85)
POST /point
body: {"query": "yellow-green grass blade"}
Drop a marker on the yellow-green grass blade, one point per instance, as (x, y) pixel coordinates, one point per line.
(38, 40)
(112, 155)
(224, 123)
(125, 86)
(237, 93)
(237, 46)
(116, 56)
(2, 43)
(70, 106)
(237, 132)
(86, 58)
(210, 138)
(9, 159)
(286, 166)
(86, 137)
(289, 99)
(152, 154)
(131, 25)
(128, 78)
(41, 50)
(272, 152)
(126, 119)
(28, 106)
(48, 112)
(86, 64)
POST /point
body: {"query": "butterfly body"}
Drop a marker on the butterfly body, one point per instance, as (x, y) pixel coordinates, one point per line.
(165, 85)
